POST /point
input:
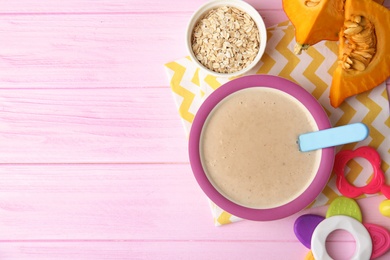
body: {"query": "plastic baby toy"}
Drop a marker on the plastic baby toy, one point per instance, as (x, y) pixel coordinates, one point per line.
(377, 183)
(343, 213)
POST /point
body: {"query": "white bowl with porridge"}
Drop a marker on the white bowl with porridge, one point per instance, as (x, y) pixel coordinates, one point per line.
(226, 38)
(244, 152)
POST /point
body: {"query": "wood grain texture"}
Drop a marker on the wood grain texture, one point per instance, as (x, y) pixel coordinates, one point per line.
(92, 51)
(111, 201)
(147, 250)
(90, 126)
(112, 210)
(122, 201)
(93, 157)
(115, 6)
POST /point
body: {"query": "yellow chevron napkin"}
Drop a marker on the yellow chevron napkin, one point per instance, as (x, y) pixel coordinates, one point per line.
(312, 70)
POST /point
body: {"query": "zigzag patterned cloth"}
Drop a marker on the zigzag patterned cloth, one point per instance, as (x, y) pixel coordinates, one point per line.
(312, 70)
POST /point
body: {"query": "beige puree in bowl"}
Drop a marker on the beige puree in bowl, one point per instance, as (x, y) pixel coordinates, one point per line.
(249, 148)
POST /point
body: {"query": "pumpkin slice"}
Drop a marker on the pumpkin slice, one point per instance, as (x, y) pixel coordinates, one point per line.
(315, 20)
(364, 48)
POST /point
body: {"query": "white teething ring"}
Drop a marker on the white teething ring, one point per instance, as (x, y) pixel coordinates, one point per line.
(359, 232)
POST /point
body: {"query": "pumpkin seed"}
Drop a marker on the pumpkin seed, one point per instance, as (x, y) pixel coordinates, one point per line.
(358, 65)
(360, 39)
(353, 30)
(357, 19)
(355, 56)
(370, 50)
(311, 3)
(364, 54)
(366, 32)
(350, 24)
(346, 65)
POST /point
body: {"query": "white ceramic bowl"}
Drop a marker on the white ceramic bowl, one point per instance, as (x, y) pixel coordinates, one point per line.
(241, 5)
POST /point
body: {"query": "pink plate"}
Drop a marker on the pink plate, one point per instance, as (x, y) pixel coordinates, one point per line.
(327, 157)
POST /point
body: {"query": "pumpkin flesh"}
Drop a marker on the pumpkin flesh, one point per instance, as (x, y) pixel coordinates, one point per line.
(349, 82)
(315, 23)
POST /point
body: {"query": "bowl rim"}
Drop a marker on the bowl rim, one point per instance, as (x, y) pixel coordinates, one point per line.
(242, 5)
(326, 161)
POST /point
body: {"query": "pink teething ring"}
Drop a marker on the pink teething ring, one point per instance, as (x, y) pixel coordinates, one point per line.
(346, 188)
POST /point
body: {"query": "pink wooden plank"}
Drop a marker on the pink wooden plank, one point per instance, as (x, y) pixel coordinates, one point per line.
(118, 201)
(54, 51)
(152, 250)
(114, 6)
(130, 202)
(90, 126)
(166, 250)
(119, 6)
(92, 51)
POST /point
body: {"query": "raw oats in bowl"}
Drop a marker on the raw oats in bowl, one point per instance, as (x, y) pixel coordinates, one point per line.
(226, 38)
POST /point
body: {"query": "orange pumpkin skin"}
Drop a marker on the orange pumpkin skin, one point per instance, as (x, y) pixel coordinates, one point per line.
(317, 23)
(346, 83)
(314, 24)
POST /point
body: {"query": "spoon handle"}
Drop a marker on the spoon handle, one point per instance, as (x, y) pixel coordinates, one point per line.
(332, 137)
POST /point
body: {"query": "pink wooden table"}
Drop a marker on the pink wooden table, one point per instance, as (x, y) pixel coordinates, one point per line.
(93, 155)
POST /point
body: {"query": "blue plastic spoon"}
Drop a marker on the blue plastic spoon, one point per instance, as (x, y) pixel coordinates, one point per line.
(332, 137)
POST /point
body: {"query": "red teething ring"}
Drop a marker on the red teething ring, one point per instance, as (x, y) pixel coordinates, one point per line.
(374, 186)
